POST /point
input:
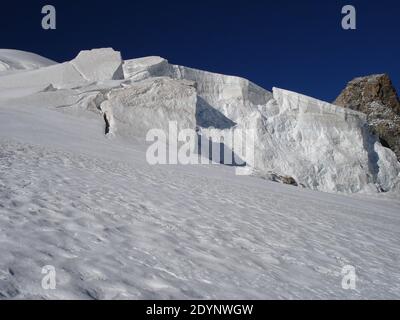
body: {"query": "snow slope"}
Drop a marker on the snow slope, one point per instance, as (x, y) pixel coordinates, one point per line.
(115, 227)
(15, 60)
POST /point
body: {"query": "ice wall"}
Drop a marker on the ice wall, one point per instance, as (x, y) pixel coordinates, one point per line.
(316, 144)
(322, 146)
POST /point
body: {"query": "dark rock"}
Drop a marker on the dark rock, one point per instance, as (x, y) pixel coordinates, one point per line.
(376, 96)
(289, 180)
(272, 176)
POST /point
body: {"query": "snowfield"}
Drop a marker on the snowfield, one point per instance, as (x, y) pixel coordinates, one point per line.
(115, 227)
(12, 61)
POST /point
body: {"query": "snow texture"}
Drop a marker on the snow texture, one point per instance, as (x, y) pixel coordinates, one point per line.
(115, 227)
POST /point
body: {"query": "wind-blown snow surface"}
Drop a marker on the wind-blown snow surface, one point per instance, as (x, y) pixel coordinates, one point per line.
(16, 60)
(115, 227)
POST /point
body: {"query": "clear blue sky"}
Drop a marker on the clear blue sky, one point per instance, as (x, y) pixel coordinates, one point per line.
(296, 45)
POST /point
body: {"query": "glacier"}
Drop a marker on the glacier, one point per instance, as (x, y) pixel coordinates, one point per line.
(76, 191)
(318, 145)
(322, 146)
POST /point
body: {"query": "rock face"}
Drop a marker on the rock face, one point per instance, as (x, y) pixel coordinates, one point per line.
(376, 97)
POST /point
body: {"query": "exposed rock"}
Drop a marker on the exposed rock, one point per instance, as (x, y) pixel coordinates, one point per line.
(376, 97)
(278, 178)
(289, 180)
(14, 61)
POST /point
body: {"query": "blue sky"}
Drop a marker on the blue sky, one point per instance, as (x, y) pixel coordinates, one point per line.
(296, 45)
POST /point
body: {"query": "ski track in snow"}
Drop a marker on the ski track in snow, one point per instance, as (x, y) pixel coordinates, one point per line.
(114, 229)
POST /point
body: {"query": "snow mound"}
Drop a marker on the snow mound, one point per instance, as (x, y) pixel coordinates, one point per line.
(16, 61)
(99, 65)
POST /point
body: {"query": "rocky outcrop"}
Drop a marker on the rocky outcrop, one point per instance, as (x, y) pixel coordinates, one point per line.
(376, 96)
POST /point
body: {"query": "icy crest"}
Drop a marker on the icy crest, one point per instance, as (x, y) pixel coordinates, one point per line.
(316, 144)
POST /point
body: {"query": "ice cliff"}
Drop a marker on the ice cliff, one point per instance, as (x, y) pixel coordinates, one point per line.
(312, 143)
(320, 145)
